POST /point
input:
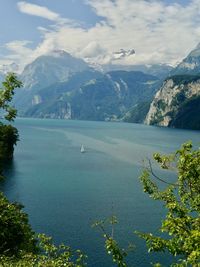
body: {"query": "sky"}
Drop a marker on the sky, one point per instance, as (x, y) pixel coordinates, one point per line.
(159, 31)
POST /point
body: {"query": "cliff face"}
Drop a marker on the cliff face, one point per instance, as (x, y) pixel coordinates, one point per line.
(177, 103)
(169, 101)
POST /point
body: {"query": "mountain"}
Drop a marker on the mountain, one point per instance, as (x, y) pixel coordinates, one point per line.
(53, 97)
(13, 67)
(123, 53)
(58, 85)
(188, 115)
(57, 66)
(159, 70)
(137, 113)
(177, 103)
(189, 65)
(4, 69)
(92, 95)
(51, 68)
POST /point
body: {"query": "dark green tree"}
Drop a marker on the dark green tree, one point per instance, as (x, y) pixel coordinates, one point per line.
(15, 232)
(20, 246)
(8, 138)
(8, 134)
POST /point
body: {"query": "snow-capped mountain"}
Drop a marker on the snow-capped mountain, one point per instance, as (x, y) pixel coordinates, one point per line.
(13, 67)
(189, 65)
(123, 53)
(177, 103)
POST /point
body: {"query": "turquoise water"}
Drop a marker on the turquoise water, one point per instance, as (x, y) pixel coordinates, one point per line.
(65, 191)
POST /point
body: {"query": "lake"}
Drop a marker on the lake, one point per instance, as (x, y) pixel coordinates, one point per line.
(65, 191)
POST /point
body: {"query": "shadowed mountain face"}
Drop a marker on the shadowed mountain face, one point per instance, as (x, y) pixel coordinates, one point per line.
(188, 115)
(91, 95)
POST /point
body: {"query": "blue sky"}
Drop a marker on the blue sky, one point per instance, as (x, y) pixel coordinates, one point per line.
(159, 31)
(16, 25)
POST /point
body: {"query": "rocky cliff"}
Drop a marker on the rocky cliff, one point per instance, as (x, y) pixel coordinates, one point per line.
(176, 93)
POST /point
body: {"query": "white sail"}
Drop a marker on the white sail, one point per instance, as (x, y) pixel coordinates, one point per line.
(82, 149)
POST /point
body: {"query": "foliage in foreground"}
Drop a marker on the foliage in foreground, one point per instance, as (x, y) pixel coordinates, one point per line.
(8, 138)
(6, 94)
(48, 256)
(182, 201)
(8, 134)
(19, 246)
(16, 234)
(111, 246)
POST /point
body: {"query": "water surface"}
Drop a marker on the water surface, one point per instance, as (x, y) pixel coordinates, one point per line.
(65, 191)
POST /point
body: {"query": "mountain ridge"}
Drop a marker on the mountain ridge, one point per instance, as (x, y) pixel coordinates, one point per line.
(102, 97)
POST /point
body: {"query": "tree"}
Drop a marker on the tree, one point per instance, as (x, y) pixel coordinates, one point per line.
(6, 94)
(8, 134)
(20, 246)
(8, 138)
(112, 247)
(182, 201)
(16, 234)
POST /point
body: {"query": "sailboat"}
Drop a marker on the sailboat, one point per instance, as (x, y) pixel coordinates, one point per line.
(82, 149)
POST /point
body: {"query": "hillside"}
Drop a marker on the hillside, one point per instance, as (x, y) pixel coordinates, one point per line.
(92, 95)
(190, 65)
(48, 69)
(176, 104)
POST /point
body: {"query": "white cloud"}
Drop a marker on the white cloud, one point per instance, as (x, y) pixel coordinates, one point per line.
(17, 46)
(159, 33)
(93, 49)
(20, 53)
(36, 10)
(41, 11)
